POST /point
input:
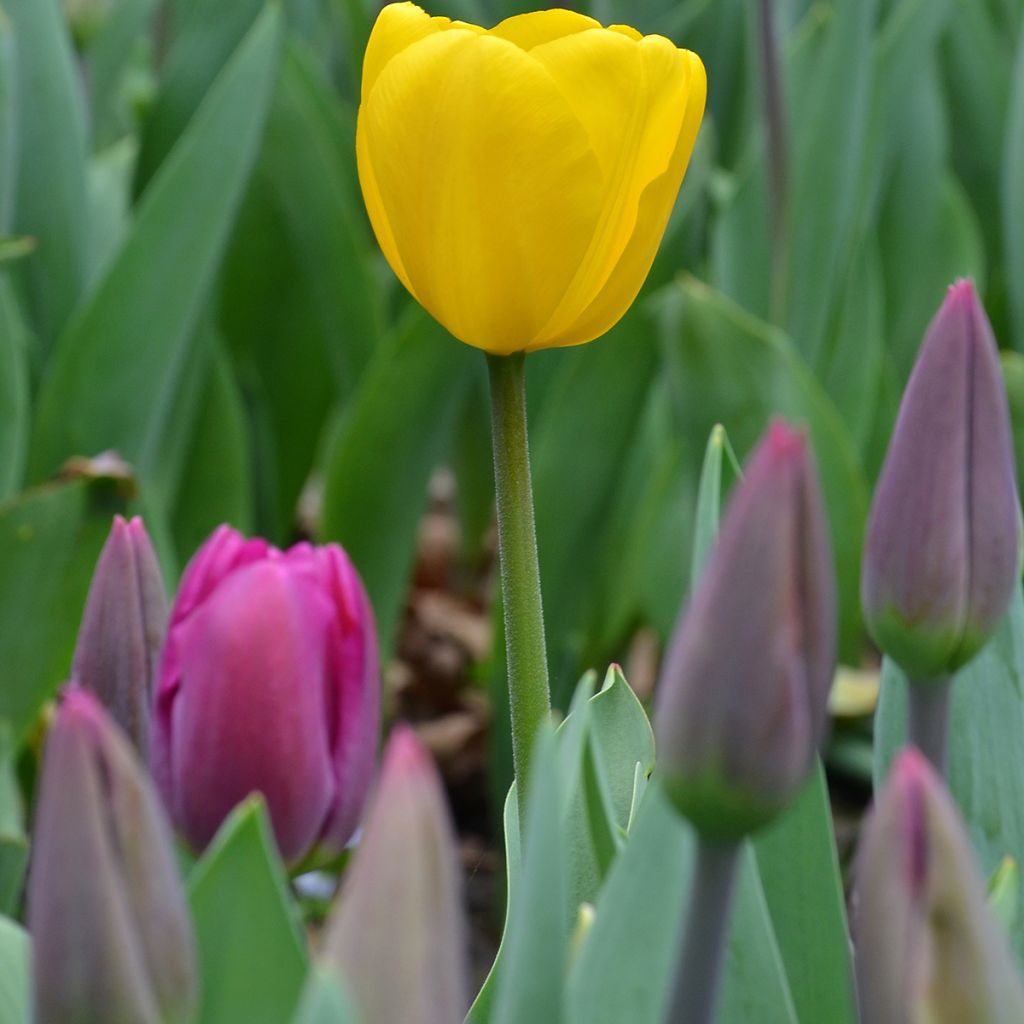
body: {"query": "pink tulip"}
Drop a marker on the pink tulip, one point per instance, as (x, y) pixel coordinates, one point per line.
(269, 683)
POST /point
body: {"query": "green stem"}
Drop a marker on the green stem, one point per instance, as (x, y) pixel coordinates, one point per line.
(702, 952)
(526, 654)
(928, 719)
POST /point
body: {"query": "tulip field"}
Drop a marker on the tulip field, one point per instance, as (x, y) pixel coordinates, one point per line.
(511, 515)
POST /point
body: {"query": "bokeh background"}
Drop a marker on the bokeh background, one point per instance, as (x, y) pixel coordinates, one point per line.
(196, 325)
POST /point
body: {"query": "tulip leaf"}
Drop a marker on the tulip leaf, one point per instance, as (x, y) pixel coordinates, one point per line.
(986, 766)
(717, 456)
(634, 583)
(250, 944)
(531, 976)
(50, 197)
(14, 408)
(109, 58)
(50, 538)
(826, 150)
(103, 388)
(13, 841)
(217, 486)
(1013, 199)
(587, 421)
(15, 958)
(203, 43)
(624, 969)
(8, 126)
(799, 868)
(323, 1001)
(726, 367)
(395, 432)
(1004, 893)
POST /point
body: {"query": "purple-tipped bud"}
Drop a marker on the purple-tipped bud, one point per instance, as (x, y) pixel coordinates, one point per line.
(112, 941)
(929, 947)
(941, 555)
(269, 683)
(742, 700)
(397, 937)
(123, 629)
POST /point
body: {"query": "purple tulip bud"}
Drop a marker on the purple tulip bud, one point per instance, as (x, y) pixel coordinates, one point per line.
(928, 946)
(397, 937)
(742, 701)
(112, 940)
(269, 683)
(123, 628)
(941, 555)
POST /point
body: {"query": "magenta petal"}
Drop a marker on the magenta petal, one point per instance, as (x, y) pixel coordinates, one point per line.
(249, 713)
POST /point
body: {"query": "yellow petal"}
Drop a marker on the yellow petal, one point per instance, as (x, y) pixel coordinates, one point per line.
(485, 180)
(626, 279)
(397, 27)
(530, 30)
(632, 98)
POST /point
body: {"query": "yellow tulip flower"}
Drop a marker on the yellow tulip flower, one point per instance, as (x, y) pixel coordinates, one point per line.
(519, 179)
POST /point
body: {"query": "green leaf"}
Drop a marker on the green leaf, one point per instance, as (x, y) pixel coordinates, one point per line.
(323, 1002)
(15, 983)
(986, 759)
(8, 125)
(50, 538)
(1004, 893)
(395, 432)
(250, 945)
(109, 60)
(709, 497)
(579, 440)
(624, 969)
(105, 389)
(726, 367)
(799, 869)
(216, 486)
(13, 841)
(1013, 199)
(531, 977)
(50, 198)
(205, 37)
(14, 409)
(826, 150)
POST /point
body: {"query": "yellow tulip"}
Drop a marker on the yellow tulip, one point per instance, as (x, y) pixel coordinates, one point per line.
(519, 179)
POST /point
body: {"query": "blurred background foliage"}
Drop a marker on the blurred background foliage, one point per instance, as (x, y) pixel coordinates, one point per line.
(188, 279)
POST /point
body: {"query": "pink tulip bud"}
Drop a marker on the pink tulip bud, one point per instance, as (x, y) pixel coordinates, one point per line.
(941, 555)
(397, 937)
(122, 629)
(928, 946)
(112, 941)
(269, 683)
(742, 701)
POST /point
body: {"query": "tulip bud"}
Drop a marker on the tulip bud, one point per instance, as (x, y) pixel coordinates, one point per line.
(408, 964)
(928, 946)
(742, 701)
(123, 628)
(269, 683)
(941, 555)
(112, 941)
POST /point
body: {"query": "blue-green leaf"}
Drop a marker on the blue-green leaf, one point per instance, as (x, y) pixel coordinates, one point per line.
(250, 945)
(15, 983)
(105, 388)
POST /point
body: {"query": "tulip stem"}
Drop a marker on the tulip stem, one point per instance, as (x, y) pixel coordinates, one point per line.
(525, 650)
(699, 969)
(928, 725)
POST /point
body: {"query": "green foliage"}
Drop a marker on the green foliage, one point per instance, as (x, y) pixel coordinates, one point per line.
(250, 946)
